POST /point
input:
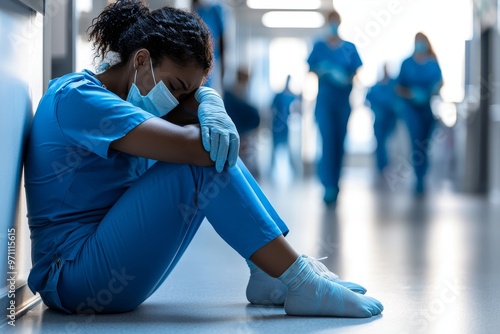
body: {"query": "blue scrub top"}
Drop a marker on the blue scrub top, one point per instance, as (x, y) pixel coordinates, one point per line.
(244, 115)
(344, 56)
(382, 96)
(424, 76)
(281, 111)
(72, 177)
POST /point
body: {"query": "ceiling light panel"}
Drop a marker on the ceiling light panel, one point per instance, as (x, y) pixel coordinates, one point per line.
(284, 4)
(295, 19)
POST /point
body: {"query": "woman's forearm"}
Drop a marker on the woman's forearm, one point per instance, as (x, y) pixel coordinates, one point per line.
(163, 141)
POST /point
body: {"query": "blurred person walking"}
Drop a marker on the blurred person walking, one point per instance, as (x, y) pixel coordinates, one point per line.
(246, 118)
(419, 79)
(336, 62)
(381, 100)
(283, 104)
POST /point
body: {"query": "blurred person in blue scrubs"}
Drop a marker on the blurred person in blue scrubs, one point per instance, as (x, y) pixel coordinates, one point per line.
(381, 98)
(245, 116)
(336, 62)
(282, 105)
(213, 14)
(419, 79)
(106, 230)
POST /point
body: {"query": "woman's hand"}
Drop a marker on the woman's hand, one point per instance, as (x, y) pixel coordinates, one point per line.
(218, 132)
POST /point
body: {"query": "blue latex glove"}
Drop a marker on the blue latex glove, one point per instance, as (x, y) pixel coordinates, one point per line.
(419, 96)
(218, 132)
(338, 76)
(322, 69)
(332, 72)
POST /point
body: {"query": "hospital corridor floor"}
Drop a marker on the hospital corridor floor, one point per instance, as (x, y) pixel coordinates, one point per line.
(433, 262)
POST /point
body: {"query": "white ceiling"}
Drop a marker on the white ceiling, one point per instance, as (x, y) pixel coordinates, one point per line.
(250, 19)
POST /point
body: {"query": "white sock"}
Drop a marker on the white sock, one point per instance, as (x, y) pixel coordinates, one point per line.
(323, 271)
(310, 294)
(263, 289)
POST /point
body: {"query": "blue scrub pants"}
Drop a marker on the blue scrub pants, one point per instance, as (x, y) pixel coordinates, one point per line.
(420, 123)
(332, 116)
(385, 121)
(140, 240)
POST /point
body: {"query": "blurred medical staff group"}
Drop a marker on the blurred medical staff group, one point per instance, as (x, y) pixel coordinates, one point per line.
(335, 62)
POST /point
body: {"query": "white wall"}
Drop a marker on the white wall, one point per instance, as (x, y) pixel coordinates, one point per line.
(21, 85)
(494, 147)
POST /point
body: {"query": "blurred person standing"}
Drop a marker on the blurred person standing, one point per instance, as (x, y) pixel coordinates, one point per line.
(419, 79)
(245, 117)
(335, 61)
(381, 98)
(283, 104)
(212, 13)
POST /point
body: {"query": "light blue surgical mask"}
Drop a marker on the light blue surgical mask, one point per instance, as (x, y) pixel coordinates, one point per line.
(334, 28)
(420, 47)
(159, 101)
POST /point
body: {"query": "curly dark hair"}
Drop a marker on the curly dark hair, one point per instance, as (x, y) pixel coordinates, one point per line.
(128, 25)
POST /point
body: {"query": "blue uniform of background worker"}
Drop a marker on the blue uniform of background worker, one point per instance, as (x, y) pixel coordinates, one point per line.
(335, 61)
(246, 118)
(281, 107)
(106, 230)
(381, 98)
(419, 79)
(213, 16)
